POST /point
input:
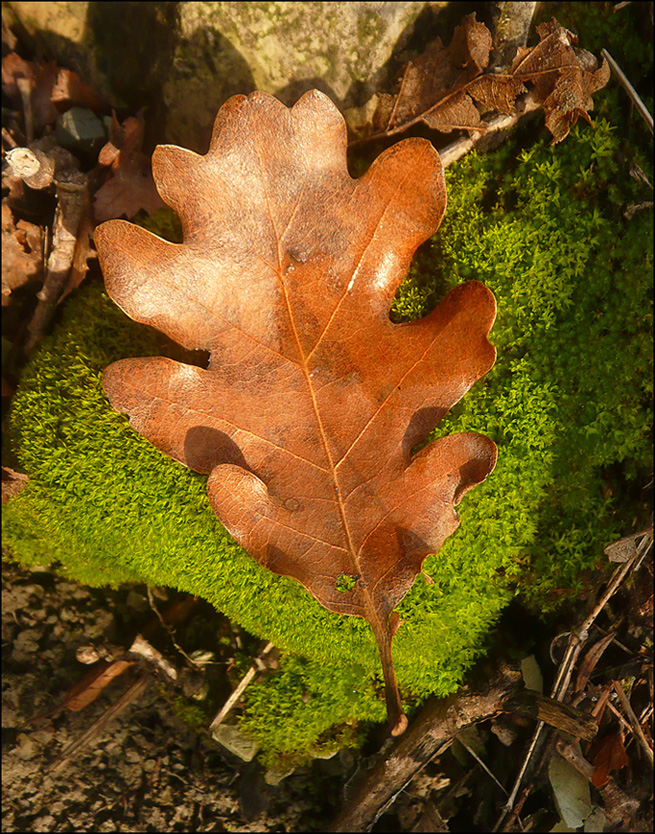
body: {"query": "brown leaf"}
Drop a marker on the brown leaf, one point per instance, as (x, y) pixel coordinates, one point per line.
(433, 87)
(591, 658)
(313, 399)
(70, 91)
(445, 87)
(131, 186)
(14, 67)
(12, 482)
(22, 253)
(564, 78)
(99, 677)
(43, 77)
(607, 754)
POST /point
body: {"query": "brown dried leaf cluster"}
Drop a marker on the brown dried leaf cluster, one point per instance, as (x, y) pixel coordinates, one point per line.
(53, 89)
(22, 253)
(130, 187)
(447, 89)
(313, 399)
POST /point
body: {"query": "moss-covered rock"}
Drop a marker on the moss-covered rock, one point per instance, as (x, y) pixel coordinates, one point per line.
(567, 399)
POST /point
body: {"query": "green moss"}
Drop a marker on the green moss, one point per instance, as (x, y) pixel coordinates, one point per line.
(191, 714)
(567, 400)
(305, 708)
(108, 508)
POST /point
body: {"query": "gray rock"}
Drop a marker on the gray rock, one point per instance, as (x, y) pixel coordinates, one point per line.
(79, 130)
(231, 737)
(280, 48)
(183, 60)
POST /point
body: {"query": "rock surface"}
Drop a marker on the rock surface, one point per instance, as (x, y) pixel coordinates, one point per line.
(183, 60)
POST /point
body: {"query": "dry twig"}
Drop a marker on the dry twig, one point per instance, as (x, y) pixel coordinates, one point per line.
(167, 627)
(429, 734)
(577, 639)
(238, 692)
(634, 721)
(634, 95)
(495, 131)
(98, 726)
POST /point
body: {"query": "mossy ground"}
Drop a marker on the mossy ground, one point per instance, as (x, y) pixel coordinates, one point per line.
(567, 403)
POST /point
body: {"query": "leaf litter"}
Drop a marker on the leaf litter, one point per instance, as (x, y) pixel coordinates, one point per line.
(448, 89)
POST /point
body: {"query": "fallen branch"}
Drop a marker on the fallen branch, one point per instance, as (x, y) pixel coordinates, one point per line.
(630, 90)
(495, 131)
(40, 167)
(431, 732)
(634, 721)
(554, 713)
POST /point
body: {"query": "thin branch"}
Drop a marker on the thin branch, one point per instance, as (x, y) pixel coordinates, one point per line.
(98, 726)
(492, 132)
(634, 721)
(437, 723)
(238, 692)
(634, 95)
(482, 765)
(169, 630)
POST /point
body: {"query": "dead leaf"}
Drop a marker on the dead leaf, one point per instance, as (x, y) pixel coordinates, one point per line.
(607, 754)
(446, 88)
(43, 77)
(433, 88)
(70, 91)
(131, 186)
(22, 253)
(591, 658)
(99, 677)
(564, 77)
(12, 482)
(313, 399)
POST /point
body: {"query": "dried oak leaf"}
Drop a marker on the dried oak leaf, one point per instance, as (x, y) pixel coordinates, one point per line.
(313, 399)
(607, 754)
(131, 186)
(22, 255)
(564, 77)
(70, 91)
(446, 87)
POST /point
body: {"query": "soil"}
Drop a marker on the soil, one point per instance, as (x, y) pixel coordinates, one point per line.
(147, 770)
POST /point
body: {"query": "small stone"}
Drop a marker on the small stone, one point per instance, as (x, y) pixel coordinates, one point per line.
(26, 747)
(87, 654)
(80, 130)
(231, 737)
(274, 776)
(26, 643)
